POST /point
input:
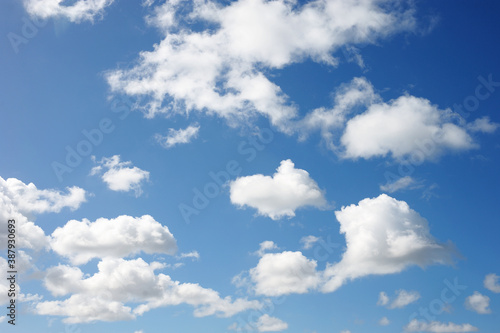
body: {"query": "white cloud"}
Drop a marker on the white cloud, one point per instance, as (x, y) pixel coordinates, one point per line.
(438, 327)
(383, 236)
(80, 10)
(400, 184)
(85, 308)
(80, 241)
(28, 199)
(403, 298)
(121, 176)
(280, 195)
(361, 125)
(222, 70)
(483, 125)
(348, 98)
(265, 246)
(491, 283)
(179, 136)
(478, 302)
(402, 127)
(20, 201)
(384, 321)
(2, 319)
(266, 323)
(284, 273)
(308, 241)
(192, 254)
(104, 296)
(383, 299)
(345, 331)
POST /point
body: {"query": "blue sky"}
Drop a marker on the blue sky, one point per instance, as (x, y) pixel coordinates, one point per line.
(251, 166)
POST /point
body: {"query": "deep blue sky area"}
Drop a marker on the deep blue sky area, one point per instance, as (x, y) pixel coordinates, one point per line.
(340, 192)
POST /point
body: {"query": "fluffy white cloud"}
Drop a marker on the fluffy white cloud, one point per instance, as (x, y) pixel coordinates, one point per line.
(120, 176)
(104, 296)
(383, 236)
(308, 241)
(491, 283)
(221, 70)
(179, 136)
(483, 125)
(478, 302)
(362, 125)
(20, 201)
(80, 241)
(284, 273)
(348, 98)
(77, 11)
(400, 184)
(384, 321)
(280, 195)
(30, 200)
(85, 308)
(438, 327)
(404, 126)
(265, 246)
(266, 323)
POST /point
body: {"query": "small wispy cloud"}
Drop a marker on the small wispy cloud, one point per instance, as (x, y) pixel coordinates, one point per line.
(176, 137)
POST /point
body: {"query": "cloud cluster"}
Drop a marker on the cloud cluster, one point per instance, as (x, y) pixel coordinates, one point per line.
(221, 68)
(176, 137)
(81, 241)
(77, 11)
(280, 195)
(383, 236)
(104, 296)
(120, 176)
